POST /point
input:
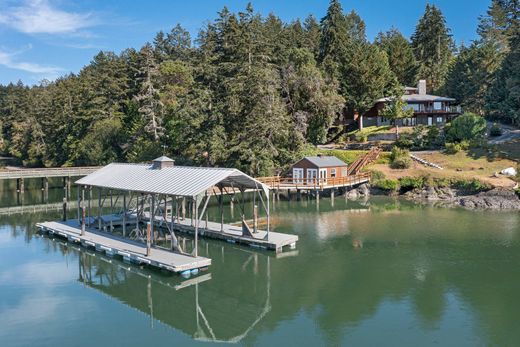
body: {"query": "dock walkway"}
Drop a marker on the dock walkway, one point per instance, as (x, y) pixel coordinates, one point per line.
(130, 250)
(233, 234)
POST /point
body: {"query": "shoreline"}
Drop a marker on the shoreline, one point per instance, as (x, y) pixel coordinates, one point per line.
(498, 199)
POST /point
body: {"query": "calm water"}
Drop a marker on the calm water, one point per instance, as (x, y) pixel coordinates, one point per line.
(377, 273)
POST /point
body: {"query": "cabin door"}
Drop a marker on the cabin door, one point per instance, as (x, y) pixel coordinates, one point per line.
(323, 176)
(297, 175)
(312, 174)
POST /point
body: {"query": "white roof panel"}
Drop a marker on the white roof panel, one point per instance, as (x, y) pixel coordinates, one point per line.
(176, 180)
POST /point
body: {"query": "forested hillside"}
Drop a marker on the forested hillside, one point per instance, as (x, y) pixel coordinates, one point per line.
(252, 92)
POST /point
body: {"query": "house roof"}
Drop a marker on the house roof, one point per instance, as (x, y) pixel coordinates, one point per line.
(418, 98)
(325, 161)
(176, 180)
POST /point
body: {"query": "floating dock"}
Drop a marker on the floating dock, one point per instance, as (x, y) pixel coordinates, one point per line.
(130, 250)
(231, 233)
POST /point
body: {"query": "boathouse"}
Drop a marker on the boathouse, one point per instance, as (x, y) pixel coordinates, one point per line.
(318, 168)
(152, 202)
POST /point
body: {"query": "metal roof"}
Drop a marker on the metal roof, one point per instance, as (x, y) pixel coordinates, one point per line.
(326, 161)
(176, 180)
(418, 98)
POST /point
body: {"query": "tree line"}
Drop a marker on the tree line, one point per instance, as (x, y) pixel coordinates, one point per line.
(253, 92)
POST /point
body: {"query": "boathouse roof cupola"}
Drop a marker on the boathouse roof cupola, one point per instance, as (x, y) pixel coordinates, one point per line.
(162, 162)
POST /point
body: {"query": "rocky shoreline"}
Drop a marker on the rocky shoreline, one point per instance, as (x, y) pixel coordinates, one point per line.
(494, 199)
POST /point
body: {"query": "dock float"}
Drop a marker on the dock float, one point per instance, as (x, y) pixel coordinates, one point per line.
(130, 250)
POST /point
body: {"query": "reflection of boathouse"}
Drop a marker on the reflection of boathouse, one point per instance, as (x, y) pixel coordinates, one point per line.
(204, 307)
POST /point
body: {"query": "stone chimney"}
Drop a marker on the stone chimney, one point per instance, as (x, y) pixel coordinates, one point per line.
(162, 162)
(421, 86)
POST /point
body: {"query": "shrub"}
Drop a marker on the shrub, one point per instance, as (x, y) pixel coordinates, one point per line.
(466, 127)
(471, 185)
(454, 148)
(400, 158)
(388, 185)
(404, 141)
(495, 130)
(377, 175)
(409, 183)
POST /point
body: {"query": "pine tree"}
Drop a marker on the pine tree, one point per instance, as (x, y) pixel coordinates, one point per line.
(334, 40)
(400, 56)
(433, 48)
(148, 97)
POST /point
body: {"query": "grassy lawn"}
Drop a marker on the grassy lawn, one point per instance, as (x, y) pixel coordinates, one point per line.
(348, 156)
(463, 165)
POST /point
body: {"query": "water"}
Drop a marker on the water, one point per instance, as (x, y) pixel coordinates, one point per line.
(379, 273)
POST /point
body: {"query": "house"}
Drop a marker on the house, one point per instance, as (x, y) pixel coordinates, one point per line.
(310, 168)
(428, 109)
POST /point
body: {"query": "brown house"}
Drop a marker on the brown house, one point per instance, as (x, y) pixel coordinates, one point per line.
(310, 168)
(427, 109)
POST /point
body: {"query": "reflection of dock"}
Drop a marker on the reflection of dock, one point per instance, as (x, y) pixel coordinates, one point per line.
(130, 250)
(189, 306)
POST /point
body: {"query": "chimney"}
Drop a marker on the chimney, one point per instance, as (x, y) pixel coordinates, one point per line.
(162, 162)
(421, 86)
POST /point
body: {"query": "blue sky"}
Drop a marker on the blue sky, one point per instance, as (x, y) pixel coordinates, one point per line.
(47, 38)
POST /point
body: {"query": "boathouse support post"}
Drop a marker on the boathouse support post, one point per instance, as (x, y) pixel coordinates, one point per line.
(64, 209)
(221, 208)
(152, 218)
(100, 207)
(148, 242)
(89, 204)
(183, 208)
(268, 215)
(79, 204)
(196, 248)
(111, 211)
(83, 221)
(124, 214)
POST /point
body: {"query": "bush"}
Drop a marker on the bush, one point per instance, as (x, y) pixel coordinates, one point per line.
(400, 158)
(471, 185)
(468, 126)
(409, 183)
(388, 185)
(495, 130)
(454, 148)
(377, 175)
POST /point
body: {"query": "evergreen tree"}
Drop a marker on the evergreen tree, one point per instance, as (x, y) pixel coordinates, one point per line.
(472, 74)
(433, 48)
(148, 96)
(334, 40)
(400, 56)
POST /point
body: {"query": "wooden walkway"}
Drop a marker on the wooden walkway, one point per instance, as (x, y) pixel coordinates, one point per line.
(47, 172)
(130, 250)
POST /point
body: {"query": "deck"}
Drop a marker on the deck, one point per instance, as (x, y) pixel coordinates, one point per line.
(278, 182)
(130, 250)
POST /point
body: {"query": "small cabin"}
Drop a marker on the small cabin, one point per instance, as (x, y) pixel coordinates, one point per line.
(310, 168)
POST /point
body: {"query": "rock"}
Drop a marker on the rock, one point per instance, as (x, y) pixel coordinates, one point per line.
(510, 171)
(361, 191)
(495, 199)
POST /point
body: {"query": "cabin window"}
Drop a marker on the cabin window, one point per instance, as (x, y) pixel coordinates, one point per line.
(437, 105)
(344, 172)
(439, 119)
(333, 172)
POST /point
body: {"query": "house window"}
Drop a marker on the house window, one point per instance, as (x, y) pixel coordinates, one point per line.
(415, 107)
(333, 172)
(437, 105)
(439, 119)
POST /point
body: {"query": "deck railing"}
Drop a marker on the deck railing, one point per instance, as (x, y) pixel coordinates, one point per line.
(278, 182)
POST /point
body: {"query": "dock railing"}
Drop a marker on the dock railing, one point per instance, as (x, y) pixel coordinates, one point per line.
(278, 182)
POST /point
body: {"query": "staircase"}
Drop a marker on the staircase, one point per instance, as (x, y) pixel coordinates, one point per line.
(363, 161)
